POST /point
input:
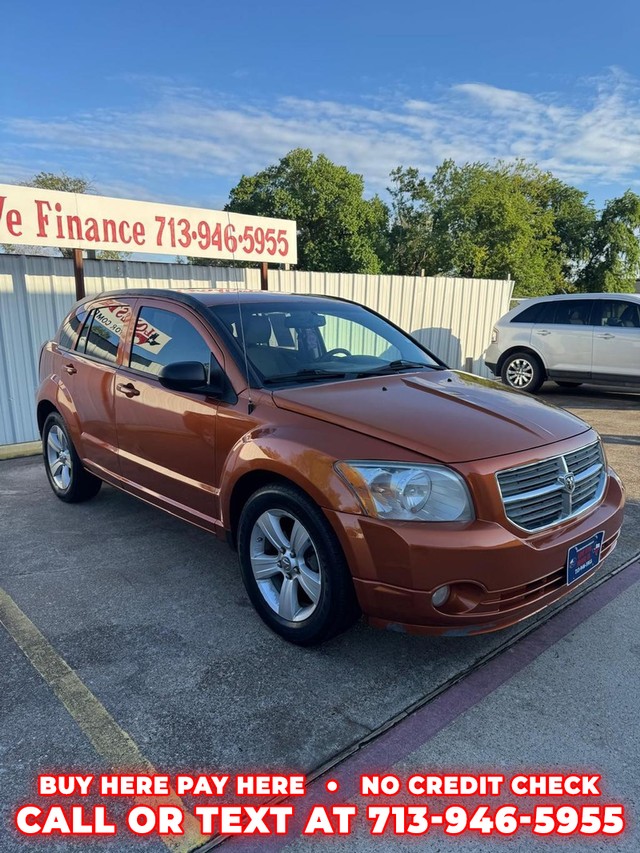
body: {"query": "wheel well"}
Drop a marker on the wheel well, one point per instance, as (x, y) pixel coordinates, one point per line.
(44, 410)
(242, 491)
(505, 355)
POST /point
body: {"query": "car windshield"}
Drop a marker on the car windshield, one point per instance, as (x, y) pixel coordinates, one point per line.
(314, 340)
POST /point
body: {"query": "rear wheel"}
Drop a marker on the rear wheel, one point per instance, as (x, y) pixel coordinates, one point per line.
(522, 371)
(68, 478)
(293, 567)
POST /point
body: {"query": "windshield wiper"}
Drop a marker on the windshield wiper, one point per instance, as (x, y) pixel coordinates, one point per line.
(398, 364)
(307, 374)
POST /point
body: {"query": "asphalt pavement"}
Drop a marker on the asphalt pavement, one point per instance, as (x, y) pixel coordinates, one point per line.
(150, 618)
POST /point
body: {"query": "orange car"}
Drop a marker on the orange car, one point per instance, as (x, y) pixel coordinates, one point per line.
(351, 469)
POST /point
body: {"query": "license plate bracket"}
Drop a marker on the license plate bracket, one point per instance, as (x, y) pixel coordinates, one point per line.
(584, 557)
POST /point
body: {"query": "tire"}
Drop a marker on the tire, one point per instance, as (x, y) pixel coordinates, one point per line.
(68, 478)
(522, 371)
(568, 384)
(306, 594)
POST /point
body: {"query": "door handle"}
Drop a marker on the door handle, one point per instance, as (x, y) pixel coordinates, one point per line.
(70, 369)
(129, 390)
(542, 332)
(607, 336)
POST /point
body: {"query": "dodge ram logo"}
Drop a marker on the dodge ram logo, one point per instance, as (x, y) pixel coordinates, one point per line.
(568, 482)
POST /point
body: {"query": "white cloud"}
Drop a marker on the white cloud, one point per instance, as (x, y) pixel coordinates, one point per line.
(189, 144)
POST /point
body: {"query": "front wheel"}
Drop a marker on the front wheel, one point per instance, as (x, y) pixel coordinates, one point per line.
(70, 481)
(522, 371)
(293, 567)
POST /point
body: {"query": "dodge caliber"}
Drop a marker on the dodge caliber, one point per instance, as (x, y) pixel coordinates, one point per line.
(352, 470)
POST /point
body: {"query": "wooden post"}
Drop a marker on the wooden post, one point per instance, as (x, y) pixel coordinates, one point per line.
(78, 271)
(264, 276)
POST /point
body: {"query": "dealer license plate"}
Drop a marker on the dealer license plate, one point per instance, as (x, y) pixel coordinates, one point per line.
(583, 557)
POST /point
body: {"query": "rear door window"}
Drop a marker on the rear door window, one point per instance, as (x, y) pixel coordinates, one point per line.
(619, 313)
(566, 312)
(163, 337)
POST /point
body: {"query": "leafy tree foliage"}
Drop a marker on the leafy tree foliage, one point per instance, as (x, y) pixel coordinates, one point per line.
(62, 183)
(338, 229)
(512, 219)
(613, 249)
(481, 222)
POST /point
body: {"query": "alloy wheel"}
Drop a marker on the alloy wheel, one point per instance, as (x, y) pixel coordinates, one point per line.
(59, 457)
(520, 373)
(285, 565)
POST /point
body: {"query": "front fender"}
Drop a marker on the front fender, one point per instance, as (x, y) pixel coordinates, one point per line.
(308, 467)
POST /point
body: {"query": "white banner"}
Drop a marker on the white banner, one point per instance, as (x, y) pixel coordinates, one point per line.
(34, 217)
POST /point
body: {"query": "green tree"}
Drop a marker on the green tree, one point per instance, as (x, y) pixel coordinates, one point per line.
(613, 262)
(62, 183)
(484, 221)
(515, 219)
(67, 184)
(338, 229)
(410, 242)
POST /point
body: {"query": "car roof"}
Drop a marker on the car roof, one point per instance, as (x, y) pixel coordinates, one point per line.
(213, 296)
(560, 296)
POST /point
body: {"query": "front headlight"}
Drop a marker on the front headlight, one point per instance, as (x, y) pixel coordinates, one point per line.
(494, 336)
(404, 492)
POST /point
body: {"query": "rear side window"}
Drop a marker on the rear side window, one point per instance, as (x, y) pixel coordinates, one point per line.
(620, 314)
(566, 312)
(162, 337)
(102, 332)
(70, 328)
(529, 315)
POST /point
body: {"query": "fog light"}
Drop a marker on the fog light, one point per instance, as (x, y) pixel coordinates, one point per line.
(440, 596)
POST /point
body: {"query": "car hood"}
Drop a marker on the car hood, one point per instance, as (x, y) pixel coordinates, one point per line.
(446, 415)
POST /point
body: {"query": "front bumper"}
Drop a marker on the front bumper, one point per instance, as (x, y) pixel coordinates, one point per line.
(499, 576)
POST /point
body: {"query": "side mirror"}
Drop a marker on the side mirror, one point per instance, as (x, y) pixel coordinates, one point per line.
(183, 375)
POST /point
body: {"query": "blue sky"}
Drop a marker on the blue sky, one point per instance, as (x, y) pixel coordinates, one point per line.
(175, 102)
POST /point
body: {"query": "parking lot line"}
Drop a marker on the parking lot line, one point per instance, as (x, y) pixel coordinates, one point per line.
(109, 740)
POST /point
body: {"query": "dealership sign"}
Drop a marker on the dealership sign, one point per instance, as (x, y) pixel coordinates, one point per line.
(34, 217)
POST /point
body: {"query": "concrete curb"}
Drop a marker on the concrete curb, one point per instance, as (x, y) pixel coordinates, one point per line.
(15, 451)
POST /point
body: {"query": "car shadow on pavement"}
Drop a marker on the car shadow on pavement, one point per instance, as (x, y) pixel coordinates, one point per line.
(590, 397)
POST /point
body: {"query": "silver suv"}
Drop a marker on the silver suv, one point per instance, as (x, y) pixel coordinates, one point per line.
(571, 339)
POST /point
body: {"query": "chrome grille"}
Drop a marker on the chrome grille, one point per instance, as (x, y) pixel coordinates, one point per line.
(552, 490)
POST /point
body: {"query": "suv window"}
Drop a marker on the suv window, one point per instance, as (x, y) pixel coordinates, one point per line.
(162, 337)
(70, 328)
(566, 312)
(102, 331)
(530, 314)
(618, 313)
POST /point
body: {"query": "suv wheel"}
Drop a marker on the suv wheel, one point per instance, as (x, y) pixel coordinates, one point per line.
(522, 371)
(70, 481)
(293, 567)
